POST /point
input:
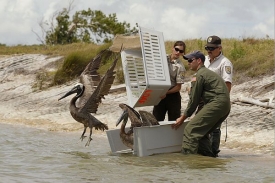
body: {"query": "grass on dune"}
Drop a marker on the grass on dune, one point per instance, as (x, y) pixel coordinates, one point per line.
(251, 57)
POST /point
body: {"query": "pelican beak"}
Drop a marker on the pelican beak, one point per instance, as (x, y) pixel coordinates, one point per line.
(124, 116)
(73, 90)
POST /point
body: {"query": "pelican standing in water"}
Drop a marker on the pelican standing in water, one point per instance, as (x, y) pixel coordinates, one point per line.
(90, 96)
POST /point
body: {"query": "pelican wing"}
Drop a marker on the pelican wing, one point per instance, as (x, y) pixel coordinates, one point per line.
(90, 78)
(102, 89)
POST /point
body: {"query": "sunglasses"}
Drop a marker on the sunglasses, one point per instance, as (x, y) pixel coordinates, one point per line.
(178, 50)
(191, 60)
(210, 48)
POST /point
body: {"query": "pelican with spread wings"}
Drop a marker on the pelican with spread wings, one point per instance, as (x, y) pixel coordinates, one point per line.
(89, 93)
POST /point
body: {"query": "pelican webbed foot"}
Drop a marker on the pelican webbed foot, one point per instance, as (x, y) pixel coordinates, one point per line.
(82, 137)
(88, 142)
(89, 139)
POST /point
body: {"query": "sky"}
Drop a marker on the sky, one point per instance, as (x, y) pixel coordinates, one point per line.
(176, 19)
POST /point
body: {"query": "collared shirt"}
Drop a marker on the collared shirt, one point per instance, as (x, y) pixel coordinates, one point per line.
(222, 66)
(206, 86)
(176, 70)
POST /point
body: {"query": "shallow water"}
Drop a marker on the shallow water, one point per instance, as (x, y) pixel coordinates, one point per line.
(33, 155)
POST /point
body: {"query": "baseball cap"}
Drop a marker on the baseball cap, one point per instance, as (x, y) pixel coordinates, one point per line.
(213, 41)
(196, 54)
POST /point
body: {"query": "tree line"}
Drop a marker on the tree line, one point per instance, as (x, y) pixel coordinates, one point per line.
(87, 26)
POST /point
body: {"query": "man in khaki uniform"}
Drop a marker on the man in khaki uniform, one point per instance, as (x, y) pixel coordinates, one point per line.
(217, 62)
(211, 88)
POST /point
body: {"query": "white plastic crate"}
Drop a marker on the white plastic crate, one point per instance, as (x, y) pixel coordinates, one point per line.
(149, 140)
(115, 141)
(146, 70)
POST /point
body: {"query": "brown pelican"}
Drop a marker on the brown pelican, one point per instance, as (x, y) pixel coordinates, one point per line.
(128, 112)
(132, 114)
(143, 118)
(89, 96)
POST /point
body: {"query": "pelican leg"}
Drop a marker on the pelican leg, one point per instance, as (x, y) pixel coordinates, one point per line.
(82, 136)
(89, 139)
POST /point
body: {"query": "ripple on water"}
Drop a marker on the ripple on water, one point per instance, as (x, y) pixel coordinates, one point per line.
(33, 155)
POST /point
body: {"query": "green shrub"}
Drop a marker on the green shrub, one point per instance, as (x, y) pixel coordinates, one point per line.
(73, 65)
(76, 61)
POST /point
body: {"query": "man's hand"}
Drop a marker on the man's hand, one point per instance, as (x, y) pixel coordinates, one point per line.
(178, 123)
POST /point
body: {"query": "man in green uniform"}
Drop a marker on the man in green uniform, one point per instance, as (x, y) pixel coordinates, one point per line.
(211, 88)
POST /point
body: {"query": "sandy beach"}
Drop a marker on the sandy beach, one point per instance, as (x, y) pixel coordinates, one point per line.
(249, 127)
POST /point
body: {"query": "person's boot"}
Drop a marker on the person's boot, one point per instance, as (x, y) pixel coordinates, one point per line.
(205, 148)
(206, 153)
(216, 153)
(215, 138)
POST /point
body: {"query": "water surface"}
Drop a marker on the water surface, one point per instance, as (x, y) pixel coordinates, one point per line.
(34, 155)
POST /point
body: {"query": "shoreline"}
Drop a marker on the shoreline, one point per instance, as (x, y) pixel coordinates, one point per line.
(250, 128)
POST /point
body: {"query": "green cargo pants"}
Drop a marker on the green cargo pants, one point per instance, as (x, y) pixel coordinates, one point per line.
(195, 137)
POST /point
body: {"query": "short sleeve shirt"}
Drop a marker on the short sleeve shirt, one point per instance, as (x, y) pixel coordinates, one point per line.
(177, 71)
(222, 66)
